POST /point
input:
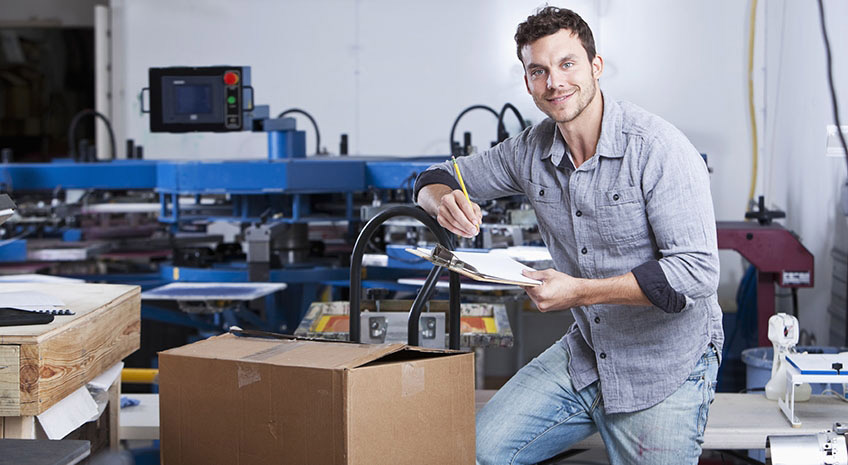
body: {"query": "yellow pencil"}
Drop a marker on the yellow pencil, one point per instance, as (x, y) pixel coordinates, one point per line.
(462, 185)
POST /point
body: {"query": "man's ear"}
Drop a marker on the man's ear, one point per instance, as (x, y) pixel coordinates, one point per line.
(597, 67)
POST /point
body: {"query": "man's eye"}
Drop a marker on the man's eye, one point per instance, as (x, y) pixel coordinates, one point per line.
(536, 72)
(567, 64)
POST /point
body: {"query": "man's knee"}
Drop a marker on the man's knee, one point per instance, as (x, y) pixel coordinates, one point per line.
(492, 439)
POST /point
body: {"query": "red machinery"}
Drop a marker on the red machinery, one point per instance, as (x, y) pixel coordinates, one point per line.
(775, 252)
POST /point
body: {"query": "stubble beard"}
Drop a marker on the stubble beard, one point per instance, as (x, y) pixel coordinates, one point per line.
(584, 99)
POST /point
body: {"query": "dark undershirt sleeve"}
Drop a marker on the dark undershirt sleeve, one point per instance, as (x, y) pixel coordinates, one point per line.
(434, 176)
(654, 284)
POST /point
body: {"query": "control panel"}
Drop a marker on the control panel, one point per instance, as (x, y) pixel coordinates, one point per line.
(193, 99)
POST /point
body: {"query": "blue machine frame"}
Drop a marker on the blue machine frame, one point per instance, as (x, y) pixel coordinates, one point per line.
(288, 181)
(281, 184)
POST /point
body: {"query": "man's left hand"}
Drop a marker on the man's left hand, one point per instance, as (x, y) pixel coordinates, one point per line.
(558, 291)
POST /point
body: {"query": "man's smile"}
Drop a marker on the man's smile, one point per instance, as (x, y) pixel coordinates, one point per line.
(561, 98)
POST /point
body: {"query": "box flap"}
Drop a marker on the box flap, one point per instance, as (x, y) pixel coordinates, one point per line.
(327, 355)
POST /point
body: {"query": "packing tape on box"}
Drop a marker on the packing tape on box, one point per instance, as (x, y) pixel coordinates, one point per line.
(412, 379)
(247, 375)
(265, 354)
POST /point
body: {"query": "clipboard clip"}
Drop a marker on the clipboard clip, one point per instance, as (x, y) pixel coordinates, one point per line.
(441, 256)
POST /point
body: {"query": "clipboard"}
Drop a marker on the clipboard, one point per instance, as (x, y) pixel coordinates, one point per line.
(479, 266)
(13, 317)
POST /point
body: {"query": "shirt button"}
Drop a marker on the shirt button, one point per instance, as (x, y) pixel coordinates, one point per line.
(603, 355)
(542, 192)
(584, 251)
(615, 196)
(597, 319)
(579, 213)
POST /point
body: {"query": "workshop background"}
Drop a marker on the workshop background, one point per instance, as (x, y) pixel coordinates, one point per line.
(746, 81)
(393, 75)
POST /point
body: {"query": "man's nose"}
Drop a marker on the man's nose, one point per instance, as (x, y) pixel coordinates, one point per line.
(555, 79)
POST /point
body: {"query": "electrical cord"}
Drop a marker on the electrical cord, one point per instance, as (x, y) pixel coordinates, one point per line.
(491, 110)
(831, 392)
(314, 125)
(502, 134)
(751, 109)
(771, 142)
(72, 128)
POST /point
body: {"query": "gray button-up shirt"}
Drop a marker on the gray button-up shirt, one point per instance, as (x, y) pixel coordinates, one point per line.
(643, 196)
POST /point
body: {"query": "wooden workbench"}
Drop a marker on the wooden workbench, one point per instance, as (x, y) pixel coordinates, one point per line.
(42, 364)
(743, 421)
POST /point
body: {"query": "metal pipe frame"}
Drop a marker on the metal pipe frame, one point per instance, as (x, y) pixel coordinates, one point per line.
(425, 292)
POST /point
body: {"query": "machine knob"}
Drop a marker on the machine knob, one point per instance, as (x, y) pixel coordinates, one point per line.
(231, 78)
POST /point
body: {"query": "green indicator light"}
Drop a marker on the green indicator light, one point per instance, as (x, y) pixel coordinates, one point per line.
(231, 100)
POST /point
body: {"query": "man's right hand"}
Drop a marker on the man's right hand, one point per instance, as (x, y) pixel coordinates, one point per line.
(451, 209)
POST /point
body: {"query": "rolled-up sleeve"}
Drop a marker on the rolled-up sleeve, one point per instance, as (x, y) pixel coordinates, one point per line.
(487, 175)
(679, 207)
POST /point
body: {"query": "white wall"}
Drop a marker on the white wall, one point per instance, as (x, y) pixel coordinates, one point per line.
(687, 62)
(804, 180)
(391, 74)
(394, 74)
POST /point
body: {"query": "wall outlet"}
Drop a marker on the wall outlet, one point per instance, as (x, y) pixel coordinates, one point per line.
(834, 147)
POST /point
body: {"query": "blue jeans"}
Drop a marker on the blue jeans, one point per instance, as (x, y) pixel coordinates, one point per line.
(538, 414)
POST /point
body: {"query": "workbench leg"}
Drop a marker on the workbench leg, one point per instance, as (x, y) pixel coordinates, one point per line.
(19, 427)
(479, 368)
(114, 414)
(517, 337)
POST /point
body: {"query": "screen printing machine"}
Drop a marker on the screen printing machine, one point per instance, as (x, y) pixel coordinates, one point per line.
(269, 244)
(248, 243)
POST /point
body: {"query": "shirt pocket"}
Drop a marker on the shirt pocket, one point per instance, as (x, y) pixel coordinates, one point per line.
(539, 194)
(621, 214)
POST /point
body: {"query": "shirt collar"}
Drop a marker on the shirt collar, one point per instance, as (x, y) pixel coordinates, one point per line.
(607, 143)
(611, 126)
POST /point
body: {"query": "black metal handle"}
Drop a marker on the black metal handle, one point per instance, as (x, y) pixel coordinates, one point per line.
(249, 108)
(141, 100)
(491, 110)
(72, 129)
(425, 292)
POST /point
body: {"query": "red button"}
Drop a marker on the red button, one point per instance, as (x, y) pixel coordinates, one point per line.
(230, 78)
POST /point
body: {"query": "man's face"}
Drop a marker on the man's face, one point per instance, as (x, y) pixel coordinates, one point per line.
(559, 75)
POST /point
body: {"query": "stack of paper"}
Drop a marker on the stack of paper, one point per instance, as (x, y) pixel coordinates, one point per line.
(480, 266)
(34, 301)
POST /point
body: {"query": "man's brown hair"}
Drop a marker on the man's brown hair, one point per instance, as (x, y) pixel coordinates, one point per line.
(549, 20)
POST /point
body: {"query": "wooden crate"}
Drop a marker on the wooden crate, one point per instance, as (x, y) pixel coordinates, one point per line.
(42, 364)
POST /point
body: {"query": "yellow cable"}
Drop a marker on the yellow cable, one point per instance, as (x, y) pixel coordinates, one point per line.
(751, 109)
(140, 375)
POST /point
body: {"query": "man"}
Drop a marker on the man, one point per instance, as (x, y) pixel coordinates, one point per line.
(623, 203)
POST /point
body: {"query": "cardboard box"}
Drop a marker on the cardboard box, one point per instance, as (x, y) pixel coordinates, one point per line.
(239, 400)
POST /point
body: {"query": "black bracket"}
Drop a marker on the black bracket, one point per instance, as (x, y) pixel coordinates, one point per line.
(429, 284)
(141, 99)
(763, 215)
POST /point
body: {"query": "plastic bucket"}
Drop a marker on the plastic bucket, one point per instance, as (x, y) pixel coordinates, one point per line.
(758, 361)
